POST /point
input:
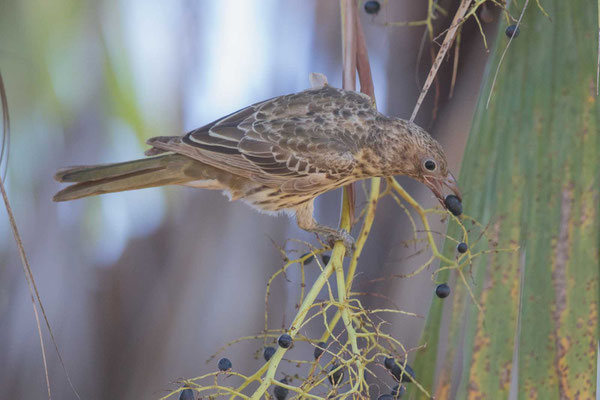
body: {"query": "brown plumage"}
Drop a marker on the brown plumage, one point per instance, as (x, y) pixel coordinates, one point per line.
(279, 154)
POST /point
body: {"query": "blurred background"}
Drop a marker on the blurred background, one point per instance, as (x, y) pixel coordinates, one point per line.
(142, 287)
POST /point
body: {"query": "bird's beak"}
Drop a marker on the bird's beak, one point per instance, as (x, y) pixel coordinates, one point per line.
(437, 186)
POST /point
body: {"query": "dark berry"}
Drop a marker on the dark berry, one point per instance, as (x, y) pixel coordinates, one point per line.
(319, 349)
(284, 341)
(397, 372)
(398, 391)
(224, 364)
(268, 353)
(442, 291)
(389, 362)
(512, 31)
(308, 260)
(453, 204)
(186, 394)
(335, 378)
(372, 7)
(386, 397)
(462, 247)
(325, 258)
(281, 392)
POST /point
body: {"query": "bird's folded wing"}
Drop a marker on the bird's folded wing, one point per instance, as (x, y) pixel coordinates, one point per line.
(311, 133)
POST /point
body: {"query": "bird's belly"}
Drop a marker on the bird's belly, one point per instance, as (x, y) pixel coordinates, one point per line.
(269, 199)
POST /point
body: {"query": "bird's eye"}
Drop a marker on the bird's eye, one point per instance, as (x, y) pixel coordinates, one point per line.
(430, 165)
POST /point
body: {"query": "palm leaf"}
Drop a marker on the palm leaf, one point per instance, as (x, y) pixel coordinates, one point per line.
(531, 171)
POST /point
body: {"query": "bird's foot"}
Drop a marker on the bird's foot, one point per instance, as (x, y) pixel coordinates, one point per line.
(342, 235)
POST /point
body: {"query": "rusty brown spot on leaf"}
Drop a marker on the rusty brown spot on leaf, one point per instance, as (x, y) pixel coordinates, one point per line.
(482, 341)
(443, 390)
(559, 280)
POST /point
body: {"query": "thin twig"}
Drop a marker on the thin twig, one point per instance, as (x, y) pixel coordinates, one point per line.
(5, 146)
(362, 62)
(487, 104)
(13, 224)
(349, 39)
(32, 286)
(455, 66)
(349, 45)
(458, 17)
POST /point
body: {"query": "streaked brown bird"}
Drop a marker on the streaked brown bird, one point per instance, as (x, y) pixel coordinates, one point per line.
(280, 154)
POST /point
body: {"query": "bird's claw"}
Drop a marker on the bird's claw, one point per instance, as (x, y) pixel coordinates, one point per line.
(342, 236)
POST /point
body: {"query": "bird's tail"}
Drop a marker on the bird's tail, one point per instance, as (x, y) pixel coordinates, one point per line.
(168, 169)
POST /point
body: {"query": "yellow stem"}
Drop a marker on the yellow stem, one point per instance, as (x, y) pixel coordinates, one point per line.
(337, 256)
(408, 198)
(365, 230)
(374, 197)
(341, 286)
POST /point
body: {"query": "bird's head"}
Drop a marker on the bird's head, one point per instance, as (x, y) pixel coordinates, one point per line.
(423, 159)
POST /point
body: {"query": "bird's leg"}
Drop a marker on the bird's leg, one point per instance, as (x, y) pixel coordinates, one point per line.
(305, 220)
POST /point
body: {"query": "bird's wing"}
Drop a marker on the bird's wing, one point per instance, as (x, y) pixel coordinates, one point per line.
(312, 133)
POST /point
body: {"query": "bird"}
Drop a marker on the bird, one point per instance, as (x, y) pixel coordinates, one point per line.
(278, 155)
